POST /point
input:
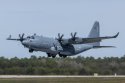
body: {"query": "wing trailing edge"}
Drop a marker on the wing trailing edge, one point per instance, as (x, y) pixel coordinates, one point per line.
(104, 47)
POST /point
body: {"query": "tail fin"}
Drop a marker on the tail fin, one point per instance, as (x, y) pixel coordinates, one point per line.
(94, 33)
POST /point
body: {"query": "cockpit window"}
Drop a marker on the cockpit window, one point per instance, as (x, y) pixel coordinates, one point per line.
(30, 37)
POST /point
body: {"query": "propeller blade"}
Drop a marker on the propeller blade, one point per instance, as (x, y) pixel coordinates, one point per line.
(55, 46)
(60, 37)
(73, 36)
(21, 37)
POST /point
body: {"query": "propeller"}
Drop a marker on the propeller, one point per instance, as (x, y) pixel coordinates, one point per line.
(55, 47)
(73, 36)
(21, 37)
(60, 37)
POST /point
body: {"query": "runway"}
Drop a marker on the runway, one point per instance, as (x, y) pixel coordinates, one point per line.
(59, 76)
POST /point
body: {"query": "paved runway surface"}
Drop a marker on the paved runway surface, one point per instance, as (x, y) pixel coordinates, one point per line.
(53, 76)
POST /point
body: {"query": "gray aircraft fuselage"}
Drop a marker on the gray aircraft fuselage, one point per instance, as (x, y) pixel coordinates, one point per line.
(45, 44)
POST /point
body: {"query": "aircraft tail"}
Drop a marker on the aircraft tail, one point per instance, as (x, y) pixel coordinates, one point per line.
(94, 33)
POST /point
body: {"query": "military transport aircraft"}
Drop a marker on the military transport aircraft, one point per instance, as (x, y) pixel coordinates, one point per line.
(62, 46)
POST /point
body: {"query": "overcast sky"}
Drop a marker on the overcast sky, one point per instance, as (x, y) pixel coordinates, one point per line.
(50, 17)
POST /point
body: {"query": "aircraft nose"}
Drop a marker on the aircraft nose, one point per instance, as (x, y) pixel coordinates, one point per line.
(25, 43)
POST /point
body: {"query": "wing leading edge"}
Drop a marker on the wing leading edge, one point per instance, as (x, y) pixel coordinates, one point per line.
(86, 40)
(98, 39)
(93, 37)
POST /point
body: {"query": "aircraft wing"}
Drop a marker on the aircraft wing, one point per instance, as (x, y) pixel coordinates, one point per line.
(98, 39)
(9, 38)
(21, 38)
(13, 39)
(88, 40)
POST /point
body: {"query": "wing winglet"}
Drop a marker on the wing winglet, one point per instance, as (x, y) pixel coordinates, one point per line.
(9, 37)
(116, 35)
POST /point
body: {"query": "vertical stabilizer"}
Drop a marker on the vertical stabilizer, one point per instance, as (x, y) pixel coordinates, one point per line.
(94, 33)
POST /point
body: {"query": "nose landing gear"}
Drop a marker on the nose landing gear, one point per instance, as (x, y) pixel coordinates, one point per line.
(31, 50)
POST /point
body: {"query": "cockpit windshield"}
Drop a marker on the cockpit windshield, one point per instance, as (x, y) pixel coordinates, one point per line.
(30, 37)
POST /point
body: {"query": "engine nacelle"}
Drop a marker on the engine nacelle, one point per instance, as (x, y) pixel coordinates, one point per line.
(80, 48)
(57, 48)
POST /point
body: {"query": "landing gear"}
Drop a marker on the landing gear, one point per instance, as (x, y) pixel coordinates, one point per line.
(64, 56)
(31, 50)
(60, 55)
(51, 55)
(54, 55)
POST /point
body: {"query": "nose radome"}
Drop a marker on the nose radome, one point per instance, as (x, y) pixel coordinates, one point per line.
(25, 42)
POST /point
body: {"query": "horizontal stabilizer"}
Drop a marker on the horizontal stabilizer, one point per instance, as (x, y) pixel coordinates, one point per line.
(103, 46)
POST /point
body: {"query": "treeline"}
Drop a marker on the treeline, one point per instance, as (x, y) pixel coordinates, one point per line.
(62, 66)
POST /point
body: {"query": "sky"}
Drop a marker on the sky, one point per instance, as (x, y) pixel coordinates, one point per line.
(50, 17)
